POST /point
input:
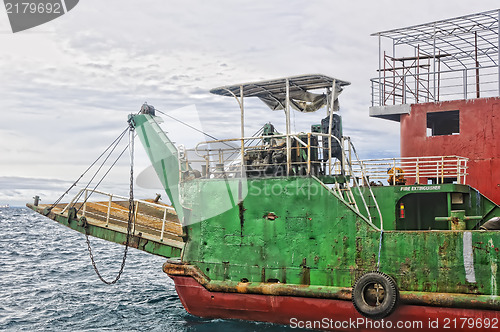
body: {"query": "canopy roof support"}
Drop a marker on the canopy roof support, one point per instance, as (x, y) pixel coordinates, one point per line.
(287, 114)
(299, 92)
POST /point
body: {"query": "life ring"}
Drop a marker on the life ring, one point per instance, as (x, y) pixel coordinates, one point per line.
(375, 295)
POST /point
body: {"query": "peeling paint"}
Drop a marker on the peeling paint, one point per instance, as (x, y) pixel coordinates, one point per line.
(470, 274)
(494, 269)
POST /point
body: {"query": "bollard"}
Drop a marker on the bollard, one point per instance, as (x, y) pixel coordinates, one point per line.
(458, 220)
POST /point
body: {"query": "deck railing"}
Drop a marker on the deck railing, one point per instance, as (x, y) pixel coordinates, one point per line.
(412, 88)
(310, 155)
(223, 158)
(86, 193)
(419, 170)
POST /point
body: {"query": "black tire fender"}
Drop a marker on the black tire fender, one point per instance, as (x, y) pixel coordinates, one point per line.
(375, 295)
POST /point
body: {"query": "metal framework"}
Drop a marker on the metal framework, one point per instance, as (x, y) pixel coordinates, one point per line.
(452, 59)
(279, 94)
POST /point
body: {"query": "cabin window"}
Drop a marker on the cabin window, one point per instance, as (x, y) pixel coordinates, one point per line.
(443, 123)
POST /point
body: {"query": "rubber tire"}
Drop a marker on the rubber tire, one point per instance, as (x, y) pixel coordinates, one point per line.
(391, 297)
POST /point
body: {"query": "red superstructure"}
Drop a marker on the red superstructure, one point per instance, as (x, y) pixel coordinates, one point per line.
(470, 128)
(441, 81)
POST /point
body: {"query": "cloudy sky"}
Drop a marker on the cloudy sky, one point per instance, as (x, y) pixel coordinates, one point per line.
(67, 86)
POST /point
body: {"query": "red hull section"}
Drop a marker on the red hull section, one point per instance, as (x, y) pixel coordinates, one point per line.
(325, 314)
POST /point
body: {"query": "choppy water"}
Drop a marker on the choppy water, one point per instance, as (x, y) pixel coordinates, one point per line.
(47, 283)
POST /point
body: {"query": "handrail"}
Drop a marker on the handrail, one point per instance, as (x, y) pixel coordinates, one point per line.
(89, 192)
(450, 84)
(367, 183)
(418, 168)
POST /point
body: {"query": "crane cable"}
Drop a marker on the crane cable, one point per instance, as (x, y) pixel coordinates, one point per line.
(116, 141)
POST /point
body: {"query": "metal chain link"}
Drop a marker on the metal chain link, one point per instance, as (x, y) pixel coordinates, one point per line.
(131, 215)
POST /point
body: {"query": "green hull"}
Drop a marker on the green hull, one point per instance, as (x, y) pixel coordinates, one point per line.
(319, 240)
(296, 231)
(310, 237)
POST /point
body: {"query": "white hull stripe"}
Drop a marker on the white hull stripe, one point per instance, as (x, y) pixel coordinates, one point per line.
(470, 274)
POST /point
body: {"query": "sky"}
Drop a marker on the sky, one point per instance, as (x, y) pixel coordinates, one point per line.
(67, 87)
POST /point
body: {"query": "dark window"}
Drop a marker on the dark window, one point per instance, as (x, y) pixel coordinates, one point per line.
(443, 123)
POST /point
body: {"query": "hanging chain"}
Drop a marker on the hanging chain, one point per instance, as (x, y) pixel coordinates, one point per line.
(131, 215)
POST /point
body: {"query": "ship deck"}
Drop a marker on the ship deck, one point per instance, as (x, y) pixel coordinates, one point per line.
(155, 229)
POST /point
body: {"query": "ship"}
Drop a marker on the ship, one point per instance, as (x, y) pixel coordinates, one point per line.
(294, 228)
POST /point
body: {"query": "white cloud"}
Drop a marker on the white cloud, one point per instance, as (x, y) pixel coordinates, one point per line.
(67, 86)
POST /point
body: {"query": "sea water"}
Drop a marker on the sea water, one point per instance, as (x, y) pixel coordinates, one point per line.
(47, 283)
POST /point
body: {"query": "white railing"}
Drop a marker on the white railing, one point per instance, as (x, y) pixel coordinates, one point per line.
(310, 155)
(414, 169)
(411, 88)
(86, 193)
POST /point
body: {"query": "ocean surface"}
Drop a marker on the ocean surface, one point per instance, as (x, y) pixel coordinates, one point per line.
(47, 283)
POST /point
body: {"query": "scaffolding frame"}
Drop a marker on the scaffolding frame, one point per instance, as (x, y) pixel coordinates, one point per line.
(456, 50)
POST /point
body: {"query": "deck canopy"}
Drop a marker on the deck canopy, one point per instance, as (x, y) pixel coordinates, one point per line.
(274, 92)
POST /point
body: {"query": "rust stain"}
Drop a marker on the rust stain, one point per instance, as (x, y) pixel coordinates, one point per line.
(270, 216)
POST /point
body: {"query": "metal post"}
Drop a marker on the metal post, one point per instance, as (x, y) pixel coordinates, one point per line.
(242, 132)
(418, 171)
(439, 78)
(109, 210)
(394, 73)
(373, 96)
(394, 88)
(404, 88)
(465, 83)
(163, 225)
(442, 169)
(394, 171)
(350, 154)
(330, 123)
(384, 87)
(379, 73)
(288, 141)
(478, 92)
(72, 200)
(434, 63)
(464, 169)
(135, 215)
(417, 78)
(437, 172)
(85, 202)
(308, 153)
(342, 148)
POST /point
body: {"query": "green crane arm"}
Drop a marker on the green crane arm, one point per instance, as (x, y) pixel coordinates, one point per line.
(162, 154)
